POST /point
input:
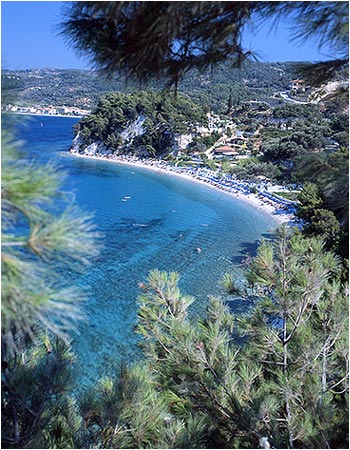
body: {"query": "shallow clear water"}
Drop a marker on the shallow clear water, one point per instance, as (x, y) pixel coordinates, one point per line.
(159, 226)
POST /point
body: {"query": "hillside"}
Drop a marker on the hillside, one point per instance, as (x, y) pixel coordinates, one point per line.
(142, 123)
(57, 87)
(254, 80)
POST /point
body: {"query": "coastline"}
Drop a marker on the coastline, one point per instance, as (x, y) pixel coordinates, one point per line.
(277, 212)
(47, 115)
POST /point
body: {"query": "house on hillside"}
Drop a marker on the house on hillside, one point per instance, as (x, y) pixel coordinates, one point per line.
(298, 87)
(297, 84)
(225, 151)
(238, 139)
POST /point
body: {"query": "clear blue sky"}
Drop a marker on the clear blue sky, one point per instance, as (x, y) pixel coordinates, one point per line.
(29, 39)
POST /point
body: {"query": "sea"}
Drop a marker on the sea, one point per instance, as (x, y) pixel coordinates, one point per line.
(149, 220)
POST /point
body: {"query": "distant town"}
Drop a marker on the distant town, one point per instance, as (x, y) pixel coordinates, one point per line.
(69, 111)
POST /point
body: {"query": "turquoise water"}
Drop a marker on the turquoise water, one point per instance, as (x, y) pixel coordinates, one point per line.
(159, 226)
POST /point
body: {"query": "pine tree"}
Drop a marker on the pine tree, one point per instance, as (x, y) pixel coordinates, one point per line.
(39, 238)
(298, 336)
(284, 386)
(166, 39)
(229, 103)
(37, 410)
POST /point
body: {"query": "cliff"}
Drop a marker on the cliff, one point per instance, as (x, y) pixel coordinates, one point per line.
(143, 123)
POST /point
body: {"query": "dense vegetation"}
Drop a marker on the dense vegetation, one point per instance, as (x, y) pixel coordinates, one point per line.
(56, 87)
(311, 151)
(276, 377)
(252, 81)
(285, 387)
(198, 386)
(166, 40)
(43, 235)
(323, 201)
(84, 88)
(160, 118)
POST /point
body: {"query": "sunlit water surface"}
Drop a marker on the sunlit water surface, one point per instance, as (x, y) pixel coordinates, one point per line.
(159, 226)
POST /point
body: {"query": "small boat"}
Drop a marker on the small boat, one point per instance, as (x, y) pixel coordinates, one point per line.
(41, 124)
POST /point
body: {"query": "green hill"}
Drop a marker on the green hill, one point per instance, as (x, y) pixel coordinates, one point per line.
(254, 80)
(144, 123)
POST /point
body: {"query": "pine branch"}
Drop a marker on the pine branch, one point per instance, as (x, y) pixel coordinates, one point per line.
(339, 382)
(300, 314)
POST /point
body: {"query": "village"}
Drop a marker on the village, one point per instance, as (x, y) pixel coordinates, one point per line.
(241, 134)
(238, 136)
(69, 111)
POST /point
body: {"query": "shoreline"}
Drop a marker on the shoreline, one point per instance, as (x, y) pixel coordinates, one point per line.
(46, 115)
(277, 212)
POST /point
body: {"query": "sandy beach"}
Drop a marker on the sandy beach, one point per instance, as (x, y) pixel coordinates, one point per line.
(277, 211)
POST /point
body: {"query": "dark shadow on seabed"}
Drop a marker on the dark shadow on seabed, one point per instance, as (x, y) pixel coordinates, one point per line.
(159, 226)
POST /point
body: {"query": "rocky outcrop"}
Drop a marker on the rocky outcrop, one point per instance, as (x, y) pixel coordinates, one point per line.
(328, 90)
(127, 136)
(94, 149)
(143, 124)
(76, 144)
(134, 129)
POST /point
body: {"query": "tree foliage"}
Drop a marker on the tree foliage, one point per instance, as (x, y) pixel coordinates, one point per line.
(163, 118)
(330, 172)
(39, 236)
(323, 203)
(304, 138)
(157, 39)
(293, 339)
(251, 168)
(291, 110)
(153, 39)
(284, 388)
(37, 410)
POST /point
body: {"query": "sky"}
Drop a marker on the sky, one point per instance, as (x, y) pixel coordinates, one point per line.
(29, 39)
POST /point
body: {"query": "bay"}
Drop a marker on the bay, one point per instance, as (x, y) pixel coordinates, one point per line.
(149, 220)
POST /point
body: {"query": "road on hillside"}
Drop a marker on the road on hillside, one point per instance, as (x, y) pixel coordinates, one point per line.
(286, 96)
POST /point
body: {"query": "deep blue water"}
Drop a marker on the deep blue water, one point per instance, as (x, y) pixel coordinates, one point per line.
(160, 226)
